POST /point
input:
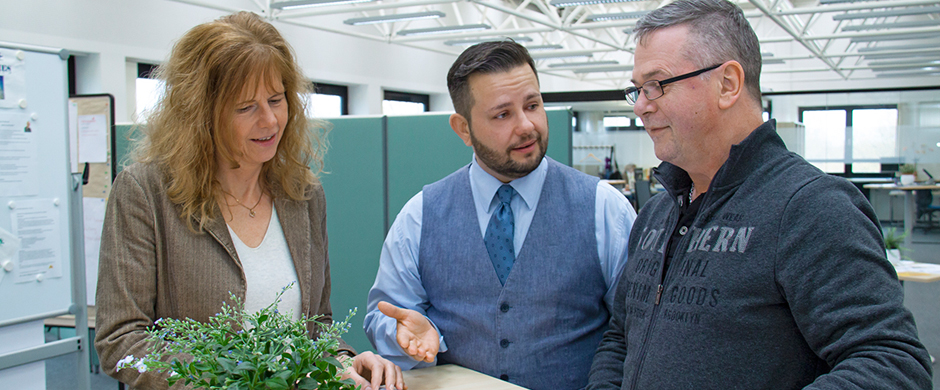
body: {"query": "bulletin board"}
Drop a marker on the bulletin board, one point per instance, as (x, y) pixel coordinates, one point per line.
(92, 143)
(36, 187)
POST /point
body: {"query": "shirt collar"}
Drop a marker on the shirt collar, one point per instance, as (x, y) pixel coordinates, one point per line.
(529, 187)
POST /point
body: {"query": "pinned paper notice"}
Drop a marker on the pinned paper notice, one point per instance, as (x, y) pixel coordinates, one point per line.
(92, 139)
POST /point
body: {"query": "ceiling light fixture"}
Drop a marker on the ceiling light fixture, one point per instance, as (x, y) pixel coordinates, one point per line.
(881, 26)
(616, 68)
(571, 3)
(294, 4)
(445, 29)
(616, 16)
(394, 18)
(890, 12)
(896, 37)
(580, 64)
(561, 54)
(464, 42)
(881, 56)
(896, 47)
(544, 47)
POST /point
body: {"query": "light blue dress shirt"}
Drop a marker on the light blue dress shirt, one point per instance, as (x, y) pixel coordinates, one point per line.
(398, 280)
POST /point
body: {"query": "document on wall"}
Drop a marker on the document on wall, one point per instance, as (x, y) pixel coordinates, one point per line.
(17, 155)
(9, 245)
(92, 138)
(93, 213)
(73, 136)
(12, 78)
(36, 223)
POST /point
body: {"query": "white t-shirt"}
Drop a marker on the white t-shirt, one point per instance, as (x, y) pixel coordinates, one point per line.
(268, 269)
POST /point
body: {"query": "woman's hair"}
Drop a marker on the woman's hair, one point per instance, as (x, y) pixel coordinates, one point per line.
(209, 69)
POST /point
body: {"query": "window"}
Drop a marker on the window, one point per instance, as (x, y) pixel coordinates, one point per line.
(403, 103)
(622, 123)
(328, 101)
(850, 139)
(148, 90)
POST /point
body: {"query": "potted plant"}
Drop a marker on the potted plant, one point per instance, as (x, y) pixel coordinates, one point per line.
(235, 349)
(893, 245)
(908, 174)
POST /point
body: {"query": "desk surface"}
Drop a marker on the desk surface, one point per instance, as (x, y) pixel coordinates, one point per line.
(453, 377)
(912, 187)
(918, 272)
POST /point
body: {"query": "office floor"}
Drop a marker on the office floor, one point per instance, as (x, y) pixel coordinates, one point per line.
(923, 299)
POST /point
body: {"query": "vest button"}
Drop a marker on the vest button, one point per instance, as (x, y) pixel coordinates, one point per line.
(683, 230)
(504, 377)
(504, 307)
(504, 343)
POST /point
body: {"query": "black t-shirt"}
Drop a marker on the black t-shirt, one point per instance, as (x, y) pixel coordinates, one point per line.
(687, 213)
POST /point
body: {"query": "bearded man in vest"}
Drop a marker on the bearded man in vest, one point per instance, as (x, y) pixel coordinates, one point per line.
(508, 265)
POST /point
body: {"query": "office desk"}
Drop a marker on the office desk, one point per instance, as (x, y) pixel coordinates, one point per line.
(451, 377)
(917, 272)
(909, 207)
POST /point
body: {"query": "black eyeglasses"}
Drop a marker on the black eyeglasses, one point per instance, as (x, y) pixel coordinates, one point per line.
(653, 89)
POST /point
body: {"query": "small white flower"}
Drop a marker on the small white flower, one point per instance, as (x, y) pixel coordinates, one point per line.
(140, 366)
(123, 362)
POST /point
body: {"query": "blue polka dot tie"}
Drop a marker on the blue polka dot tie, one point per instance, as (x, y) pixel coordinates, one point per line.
(498, 239)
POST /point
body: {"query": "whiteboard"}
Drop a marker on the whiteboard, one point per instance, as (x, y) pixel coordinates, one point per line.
(43, 90)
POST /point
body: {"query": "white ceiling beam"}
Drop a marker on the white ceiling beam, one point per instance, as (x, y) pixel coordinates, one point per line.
(544, 23)
(854, 7)
(808, 45)
(359, 8)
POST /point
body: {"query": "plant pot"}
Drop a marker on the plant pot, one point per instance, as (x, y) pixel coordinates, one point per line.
(907, 179)
(894, 256)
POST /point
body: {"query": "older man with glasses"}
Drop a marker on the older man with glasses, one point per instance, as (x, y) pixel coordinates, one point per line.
(754, 269)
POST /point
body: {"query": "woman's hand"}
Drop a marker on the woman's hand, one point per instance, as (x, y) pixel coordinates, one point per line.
(371, 371)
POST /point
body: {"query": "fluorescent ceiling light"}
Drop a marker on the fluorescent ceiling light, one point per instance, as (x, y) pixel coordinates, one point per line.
(571, 3)
(881, 56)
(463, 42)
(896, 37)
(840, 1)
(293, 4)
(615, 68)
(579, 64)
(910, 74)
(394, 18)
(550, 55)
(891, 12)
(616, 16)
(880, 26)
(908, 61)
(771, 61)
(445, 29)
(544, 47)
(897, 47)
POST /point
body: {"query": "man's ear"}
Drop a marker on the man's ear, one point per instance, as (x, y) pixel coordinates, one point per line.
(460, 126)
(732, 84)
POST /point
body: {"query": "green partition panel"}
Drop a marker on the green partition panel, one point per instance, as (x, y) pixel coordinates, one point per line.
(355, 209)
(423, 149)
(122, 142)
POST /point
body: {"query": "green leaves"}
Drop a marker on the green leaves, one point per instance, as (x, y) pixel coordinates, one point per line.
(239, 350)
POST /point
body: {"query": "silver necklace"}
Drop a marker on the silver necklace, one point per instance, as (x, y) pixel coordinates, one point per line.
(691, 190)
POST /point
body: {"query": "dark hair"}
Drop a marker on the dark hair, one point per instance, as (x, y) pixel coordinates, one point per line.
(718, 32)
(486, 57)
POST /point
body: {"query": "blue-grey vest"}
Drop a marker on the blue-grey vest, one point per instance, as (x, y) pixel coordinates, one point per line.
(540, 330)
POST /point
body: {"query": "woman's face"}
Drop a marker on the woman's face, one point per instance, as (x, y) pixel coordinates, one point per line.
(258, 120)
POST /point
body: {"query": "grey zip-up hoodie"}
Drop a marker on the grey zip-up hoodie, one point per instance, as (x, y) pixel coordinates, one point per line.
(780, 283)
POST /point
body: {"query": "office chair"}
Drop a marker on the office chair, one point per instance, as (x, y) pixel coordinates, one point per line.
(641, 189)
(924, 201)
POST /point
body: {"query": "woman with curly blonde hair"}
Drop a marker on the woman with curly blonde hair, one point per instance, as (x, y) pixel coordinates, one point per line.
(221, 199)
